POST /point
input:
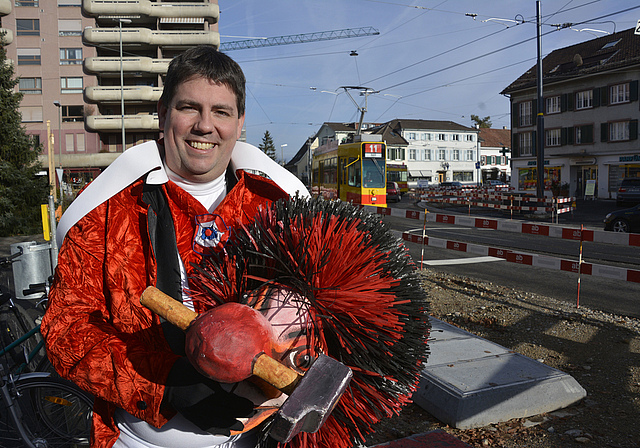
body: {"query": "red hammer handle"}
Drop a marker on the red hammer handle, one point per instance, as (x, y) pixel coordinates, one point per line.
(265, 367)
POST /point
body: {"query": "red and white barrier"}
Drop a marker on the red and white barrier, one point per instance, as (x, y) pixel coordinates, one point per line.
(541, 261)
(507, 225)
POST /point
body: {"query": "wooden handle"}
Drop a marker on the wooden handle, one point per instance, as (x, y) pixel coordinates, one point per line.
(167, 307)
(275, 373)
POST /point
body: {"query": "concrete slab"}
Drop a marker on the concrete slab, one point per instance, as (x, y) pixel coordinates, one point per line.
(433, 439)
(470, 382)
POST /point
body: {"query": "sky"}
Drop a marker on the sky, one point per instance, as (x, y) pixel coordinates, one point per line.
(432, 59)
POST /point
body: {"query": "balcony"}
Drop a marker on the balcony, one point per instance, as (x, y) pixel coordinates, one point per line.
(8, 37)
(5, 7)
(103, 66)
(111, 94)
(113, 123)
(145, 36)
(94, 8)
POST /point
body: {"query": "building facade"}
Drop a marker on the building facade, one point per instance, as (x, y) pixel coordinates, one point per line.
(495, 151)
(67, 54)
(591, 111)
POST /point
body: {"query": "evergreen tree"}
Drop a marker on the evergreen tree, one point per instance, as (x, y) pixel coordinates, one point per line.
(482, 122)
(267, 146)
(21, 191)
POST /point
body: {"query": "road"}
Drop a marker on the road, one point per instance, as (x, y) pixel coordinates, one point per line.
(612, 296)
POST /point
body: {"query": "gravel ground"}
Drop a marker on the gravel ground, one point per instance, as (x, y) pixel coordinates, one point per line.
(601, 351)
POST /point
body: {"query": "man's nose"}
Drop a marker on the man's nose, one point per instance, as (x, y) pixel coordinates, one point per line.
(205, 123)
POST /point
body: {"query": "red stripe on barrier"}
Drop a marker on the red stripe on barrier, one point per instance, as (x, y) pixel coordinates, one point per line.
(446, 219)
(515, 257)
(455, 245)
(413, 214)
(633, 276)
(486, 223)
(587, 268)
(634, 239)
(535, 229)
(498, 253)
(569, 266)
(384, 211)
(575, 234)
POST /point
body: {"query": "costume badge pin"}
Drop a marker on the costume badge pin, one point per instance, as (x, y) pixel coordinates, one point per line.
(211, 234)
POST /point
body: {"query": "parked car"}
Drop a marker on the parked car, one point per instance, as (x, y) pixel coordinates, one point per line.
(451, 185)
(495, 183)
(629, 191)
(393, 192)
(626, 220)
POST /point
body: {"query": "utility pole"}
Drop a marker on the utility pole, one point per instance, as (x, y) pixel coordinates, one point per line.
(540, 109)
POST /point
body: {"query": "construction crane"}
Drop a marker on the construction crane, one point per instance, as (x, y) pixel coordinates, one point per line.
(299, 38)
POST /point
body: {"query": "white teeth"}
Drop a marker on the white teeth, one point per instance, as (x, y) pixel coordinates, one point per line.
(200, 145)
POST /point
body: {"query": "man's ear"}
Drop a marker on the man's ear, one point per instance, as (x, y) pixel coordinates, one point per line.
(162, 114)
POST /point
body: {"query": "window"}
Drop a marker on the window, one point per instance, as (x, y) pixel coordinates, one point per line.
(69, 27)
(583, 134)
(70, 56)
(27, 27)
(553, 105)
(442, 137)
(552, 137)
(526, 144)
(28, 56)
(72, 113)
(426, 154)
(525, 113)
(584, 99)
(441, 154)
(619, 131)
(26, 3)
(70, 3)
(80, 142)
(469, 155)
(429, 136)
(456, 155)
(619, 93)
(68, 142)
(30, 85)
(455, 137)
(31, 114)
(412, 154)
(70, 85)
(469, 138)
(411, 135)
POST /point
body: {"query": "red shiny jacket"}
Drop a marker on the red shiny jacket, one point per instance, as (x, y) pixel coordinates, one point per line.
(97, 334)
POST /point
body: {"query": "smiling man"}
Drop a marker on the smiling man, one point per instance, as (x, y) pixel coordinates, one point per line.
(152, 229)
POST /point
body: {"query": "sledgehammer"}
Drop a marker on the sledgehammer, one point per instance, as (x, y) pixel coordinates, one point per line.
(228, 344)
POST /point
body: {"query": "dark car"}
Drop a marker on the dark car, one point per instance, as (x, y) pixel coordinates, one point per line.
(626, 220)
(629, 191)
(393, 192)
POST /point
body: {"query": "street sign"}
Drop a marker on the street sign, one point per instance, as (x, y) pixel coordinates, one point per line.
(637, 31)
(477, 165)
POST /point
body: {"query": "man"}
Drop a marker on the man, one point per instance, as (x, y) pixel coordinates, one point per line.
(149, 230)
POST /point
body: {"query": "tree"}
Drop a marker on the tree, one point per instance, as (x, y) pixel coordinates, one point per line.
(267, 146)
(482, 122)
(21, 190)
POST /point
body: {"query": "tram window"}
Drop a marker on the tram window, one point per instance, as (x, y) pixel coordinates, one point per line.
(373, 174)
(354, 174)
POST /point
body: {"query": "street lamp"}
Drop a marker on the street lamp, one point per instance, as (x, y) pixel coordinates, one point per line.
(59, 106)
(120, 22)
(282, 152)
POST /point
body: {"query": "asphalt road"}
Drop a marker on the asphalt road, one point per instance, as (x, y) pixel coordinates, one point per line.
(613, 296)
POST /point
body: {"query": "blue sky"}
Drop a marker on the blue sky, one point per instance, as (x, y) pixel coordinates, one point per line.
(430, 61)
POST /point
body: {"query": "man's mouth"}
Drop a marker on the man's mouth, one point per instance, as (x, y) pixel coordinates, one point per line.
(201, 145)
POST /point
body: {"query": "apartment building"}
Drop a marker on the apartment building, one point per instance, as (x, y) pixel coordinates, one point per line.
(495, 148)
(67, 54)
(591, 111)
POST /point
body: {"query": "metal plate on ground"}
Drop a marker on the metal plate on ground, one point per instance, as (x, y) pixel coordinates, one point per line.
(470, 382)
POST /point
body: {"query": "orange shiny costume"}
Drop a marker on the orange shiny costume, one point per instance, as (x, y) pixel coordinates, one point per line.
(97, 334)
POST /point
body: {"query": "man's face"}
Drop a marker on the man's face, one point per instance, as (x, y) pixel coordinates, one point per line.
(201, 127)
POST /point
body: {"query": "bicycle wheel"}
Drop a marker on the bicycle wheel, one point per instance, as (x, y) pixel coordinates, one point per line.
(54, 412)
(15, 322)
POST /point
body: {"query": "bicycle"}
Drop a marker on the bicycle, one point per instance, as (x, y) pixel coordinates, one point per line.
(37, 409)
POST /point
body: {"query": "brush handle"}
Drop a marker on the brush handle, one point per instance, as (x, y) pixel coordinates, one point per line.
(167, 307)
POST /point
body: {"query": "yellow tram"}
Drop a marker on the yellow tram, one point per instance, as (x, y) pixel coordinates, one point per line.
(397, 172)
(353, 172)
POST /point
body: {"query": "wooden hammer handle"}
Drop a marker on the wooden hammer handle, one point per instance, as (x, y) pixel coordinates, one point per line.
(167, 307)
(275, 373)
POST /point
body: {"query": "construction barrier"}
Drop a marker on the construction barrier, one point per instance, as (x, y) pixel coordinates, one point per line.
(507, 225)
(541, 261)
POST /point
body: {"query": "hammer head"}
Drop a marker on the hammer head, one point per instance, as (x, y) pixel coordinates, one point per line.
(313, 399)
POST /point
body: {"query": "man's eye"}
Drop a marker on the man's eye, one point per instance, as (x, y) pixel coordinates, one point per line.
(300, 358)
